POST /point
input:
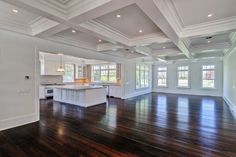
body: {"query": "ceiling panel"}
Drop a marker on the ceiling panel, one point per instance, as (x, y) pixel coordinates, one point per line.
(215, 39)
(157, 46)
(81, 37)
(131, 21)
(194, 12)
(23, 17)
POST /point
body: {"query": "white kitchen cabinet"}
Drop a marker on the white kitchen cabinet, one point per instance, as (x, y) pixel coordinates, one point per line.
(115, 91)
(42, 92)
(50, 68)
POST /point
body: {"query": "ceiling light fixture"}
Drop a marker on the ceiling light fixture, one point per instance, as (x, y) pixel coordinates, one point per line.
(15, 11)
(60, 69)
(73, 31)
(208, 41)
(118, 16)
(209, 15)
(140, 31)
(163, 47)
(99, 40)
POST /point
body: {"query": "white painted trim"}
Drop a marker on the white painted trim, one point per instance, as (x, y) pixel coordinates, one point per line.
(137, 93)
(18, 121)
(187, 93)
(231, 105)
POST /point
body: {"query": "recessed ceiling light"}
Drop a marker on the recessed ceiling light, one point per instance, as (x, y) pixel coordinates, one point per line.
(99, 40)
(118, 16)
(140, 31)
(73, 31)
(163, 47)
(209, 15)
(208, 41)
(15, 11)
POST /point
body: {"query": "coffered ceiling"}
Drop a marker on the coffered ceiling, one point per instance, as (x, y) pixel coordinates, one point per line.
(158, 29)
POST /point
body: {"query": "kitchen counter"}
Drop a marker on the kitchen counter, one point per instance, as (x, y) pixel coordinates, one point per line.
(78, 87)
(83, 96)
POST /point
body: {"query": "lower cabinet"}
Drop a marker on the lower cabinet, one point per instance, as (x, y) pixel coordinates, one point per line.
(115, 91)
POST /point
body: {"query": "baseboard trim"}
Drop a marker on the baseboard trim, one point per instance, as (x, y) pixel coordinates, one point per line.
(18, 121)
(137, 93)
(231, 105)
(199, 94)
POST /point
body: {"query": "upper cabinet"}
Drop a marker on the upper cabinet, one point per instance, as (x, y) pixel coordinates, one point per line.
(49, 64)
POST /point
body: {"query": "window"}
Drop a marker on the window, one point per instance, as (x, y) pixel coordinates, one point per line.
(162, 76)
(142, 76)
(104, 73)
(69, 75)
(208, 76)
(183, 76)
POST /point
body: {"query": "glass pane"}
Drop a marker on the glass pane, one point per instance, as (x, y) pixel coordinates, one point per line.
(69, 74)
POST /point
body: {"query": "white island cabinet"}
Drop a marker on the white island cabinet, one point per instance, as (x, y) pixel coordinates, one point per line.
(83, 96)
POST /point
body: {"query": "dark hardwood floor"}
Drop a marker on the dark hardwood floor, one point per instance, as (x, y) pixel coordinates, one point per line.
(149, 125)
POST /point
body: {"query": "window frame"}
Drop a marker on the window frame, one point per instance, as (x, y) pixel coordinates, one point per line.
(162, 86)
(108, 69)
(189, 79)
(73, 72)
(215, 79)
(145, 80)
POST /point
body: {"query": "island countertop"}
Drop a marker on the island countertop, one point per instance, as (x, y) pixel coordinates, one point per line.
(78, 87)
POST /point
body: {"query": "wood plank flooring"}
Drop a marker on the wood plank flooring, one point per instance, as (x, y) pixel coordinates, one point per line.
(155, 124)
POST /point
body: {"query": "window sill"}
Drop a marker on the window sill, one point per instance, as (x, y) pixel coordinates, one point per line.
(208, 88)
(183, 87)
(142, 88)
(162, 86)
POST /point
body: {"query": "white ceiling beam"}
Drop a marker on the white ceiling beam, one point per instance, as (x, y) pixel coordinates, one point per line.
(165, 52)
(151, 10)
(108, 46)
(210, 46)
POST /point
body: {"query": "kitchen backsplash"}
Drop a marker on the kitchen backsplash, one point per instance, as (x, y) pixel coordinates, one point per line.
(51, 79)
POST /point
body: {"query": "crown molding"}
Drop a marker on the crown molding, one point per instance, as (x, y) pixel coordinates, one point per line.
(14, 26)
(210, 46)
(169, 11)
(84, 6)
(80, 44)
(148, 39)
(233, 42)
(108, 46)
(212, 27)
(41, 24)
(104, 31)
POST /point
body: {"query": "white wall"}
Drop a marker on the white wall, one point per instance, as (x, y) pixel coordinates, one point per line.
(17, 95)
(129, 80)
(19, 102)
(195, 78)
(230, 80)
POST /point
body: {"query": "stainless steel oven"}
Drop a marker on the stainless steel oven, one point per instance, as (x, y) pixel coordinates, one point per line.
(48, 92)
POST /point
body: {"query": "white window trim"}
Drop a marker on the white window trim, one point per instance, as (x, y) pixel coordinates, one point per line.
(215, 80)
(189, 77)
(110, 82)
(149, 74)
(167, 82)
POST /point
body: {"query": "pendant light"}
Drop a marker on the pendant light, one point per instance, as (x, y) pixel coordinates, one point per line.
(60, 69)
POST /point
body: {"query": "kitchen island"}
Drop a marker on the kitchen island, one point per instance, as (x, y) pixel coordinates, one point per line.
(83, 96)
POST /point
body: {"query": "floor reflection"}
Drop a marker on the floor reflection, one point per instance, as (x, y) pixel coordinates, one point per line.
(183, 113)
(207, 115)
(162, 111)
(142, 109)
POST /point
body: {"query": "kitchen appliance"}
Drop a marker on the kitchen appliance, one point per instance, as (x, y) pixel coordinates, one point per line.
(48, 92)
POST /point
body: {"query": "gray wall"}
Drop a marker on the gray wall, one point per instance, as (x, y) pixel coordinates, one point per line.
(230, 80)
(195, 78)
